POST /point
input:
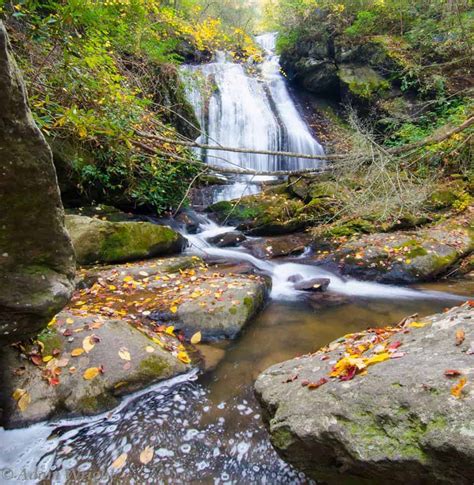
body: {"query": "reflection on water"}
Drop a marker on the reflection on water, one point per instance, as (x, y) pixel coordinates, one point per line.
(205, 429)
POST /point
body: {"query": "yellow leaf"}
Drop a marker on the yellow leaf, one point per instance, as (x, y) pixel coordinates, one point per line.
(169, 330)
(88, 343)
(18, 393)
(112, 287)
(69, 320)
(149, 349)
(417, 324)
(184, 357)
(345, 364)
(147, 455)
(158, 341)
(77, 352)
(91, 373)
(47, 358)
(174, 309)
(120, 461)
(127, 279)
(196, 338)
(24, 401)
(377, 358)
(456, 390)
(124, 354)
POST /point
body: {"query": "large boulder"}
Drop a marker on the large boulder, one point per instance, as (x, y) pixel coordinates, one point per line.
(407, 256)
(381, 406)
(82, 366)
(101, 241)
(36, 256)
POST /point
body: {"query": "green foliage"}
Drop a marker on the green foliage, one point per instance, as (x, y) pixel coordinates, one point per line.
(88, 65)
(364, 24)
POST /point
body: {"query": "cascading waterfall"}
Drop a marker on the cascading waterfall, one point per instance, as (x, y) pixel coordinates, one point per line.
(239, 109)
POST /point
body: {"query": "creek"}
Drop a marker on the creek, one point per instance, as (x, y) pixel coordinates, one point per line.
(206, 426)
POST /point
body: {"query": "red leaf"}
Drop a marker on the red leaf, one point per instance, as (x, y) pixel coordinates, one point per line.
(452, 373)
(36, 359)
(394, 345)
(351, 372)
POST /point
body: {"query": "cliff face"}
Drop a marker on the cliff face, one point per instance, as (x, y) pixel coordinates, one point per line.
(36, 256)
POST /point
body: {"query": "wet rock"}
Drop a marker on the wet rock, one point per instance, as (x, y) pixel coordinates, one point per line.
(408, 256)
(227, 239)
(399, 420)
(95, 240)
(223, 316)
(273, 247)
(142, 362)
(322, 300)
(103, 212)
(313, 284)
(189, 220)
(211, 356)
(36, 255)
(294, 278)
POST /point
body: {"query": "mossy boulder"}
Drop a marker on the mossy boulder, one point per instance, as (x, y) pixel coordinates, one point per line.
(36, 256)
(396, 423)
(362, 82)
(265, 214)
(404, 256)
(128, 360)
(101, 241)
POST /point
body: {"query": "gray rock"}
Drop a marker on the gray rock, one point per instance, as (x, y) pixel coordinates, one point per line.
(36, 257)
(242, 297)
(74, 395)
(408, 256)
(313, 284)
(227, 239)
(101, 241)
(398, 423)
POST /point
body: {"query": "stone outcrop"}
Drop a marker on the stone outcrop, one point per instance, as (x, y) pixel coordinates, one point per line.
(98, 241)
(36, 256)
(403, 416)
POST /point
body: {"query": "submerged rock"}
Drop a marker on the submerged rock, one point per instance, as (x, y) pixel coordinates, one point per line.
(36, 255)
(95, 240)
(122, 360)
(401, 422)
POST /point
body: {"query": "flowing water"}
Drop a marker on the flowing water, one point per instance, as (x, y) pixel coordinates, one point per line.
(206, 426)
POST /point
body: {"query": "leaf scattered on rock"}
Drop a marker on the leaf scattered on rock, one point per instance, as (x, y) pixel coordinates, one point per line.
(91, 373)
(460, 336)
(22, 399)
(77, 352)
(124, 354)
(452, 373)
(456, 390)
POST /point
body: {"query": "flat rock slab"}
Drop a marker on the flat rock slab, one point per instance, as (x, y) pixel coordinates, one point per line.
(180, 291)
(278, 246)
(392, 415)
(81, 366)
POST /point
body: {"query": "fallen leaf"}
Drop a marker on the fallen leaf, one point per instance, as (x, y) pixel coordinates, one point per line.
(149, 349)
(315, 385)
(375, 359)
(47, 358)
(173, 309)
(169, 330)
(77, 352)
(456, 390)
(147, 455)
(124, 353)
(196, 338)
(91, 373)
(460, 335)
(24, 402)
(184, 357)
(69, 320)
(120, 461)
(17, 393)
(452, 373)
(417, 324)
(88, 343)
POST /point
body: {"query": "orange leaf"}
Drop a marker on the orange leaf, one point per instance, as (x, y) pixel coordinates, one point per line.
(91, 373)
(460, 336)
(456, 390)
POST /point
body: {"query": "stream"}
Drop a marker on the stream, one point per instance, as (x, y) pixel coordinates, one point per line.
(206, 426)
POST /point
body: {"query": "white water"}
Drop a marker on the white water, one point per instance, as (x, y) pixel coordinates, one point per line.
(282, 288)
(239, 109)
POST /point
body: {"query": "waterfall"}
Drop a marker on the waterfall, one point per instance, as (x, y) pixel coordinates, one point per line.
(249, 106)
